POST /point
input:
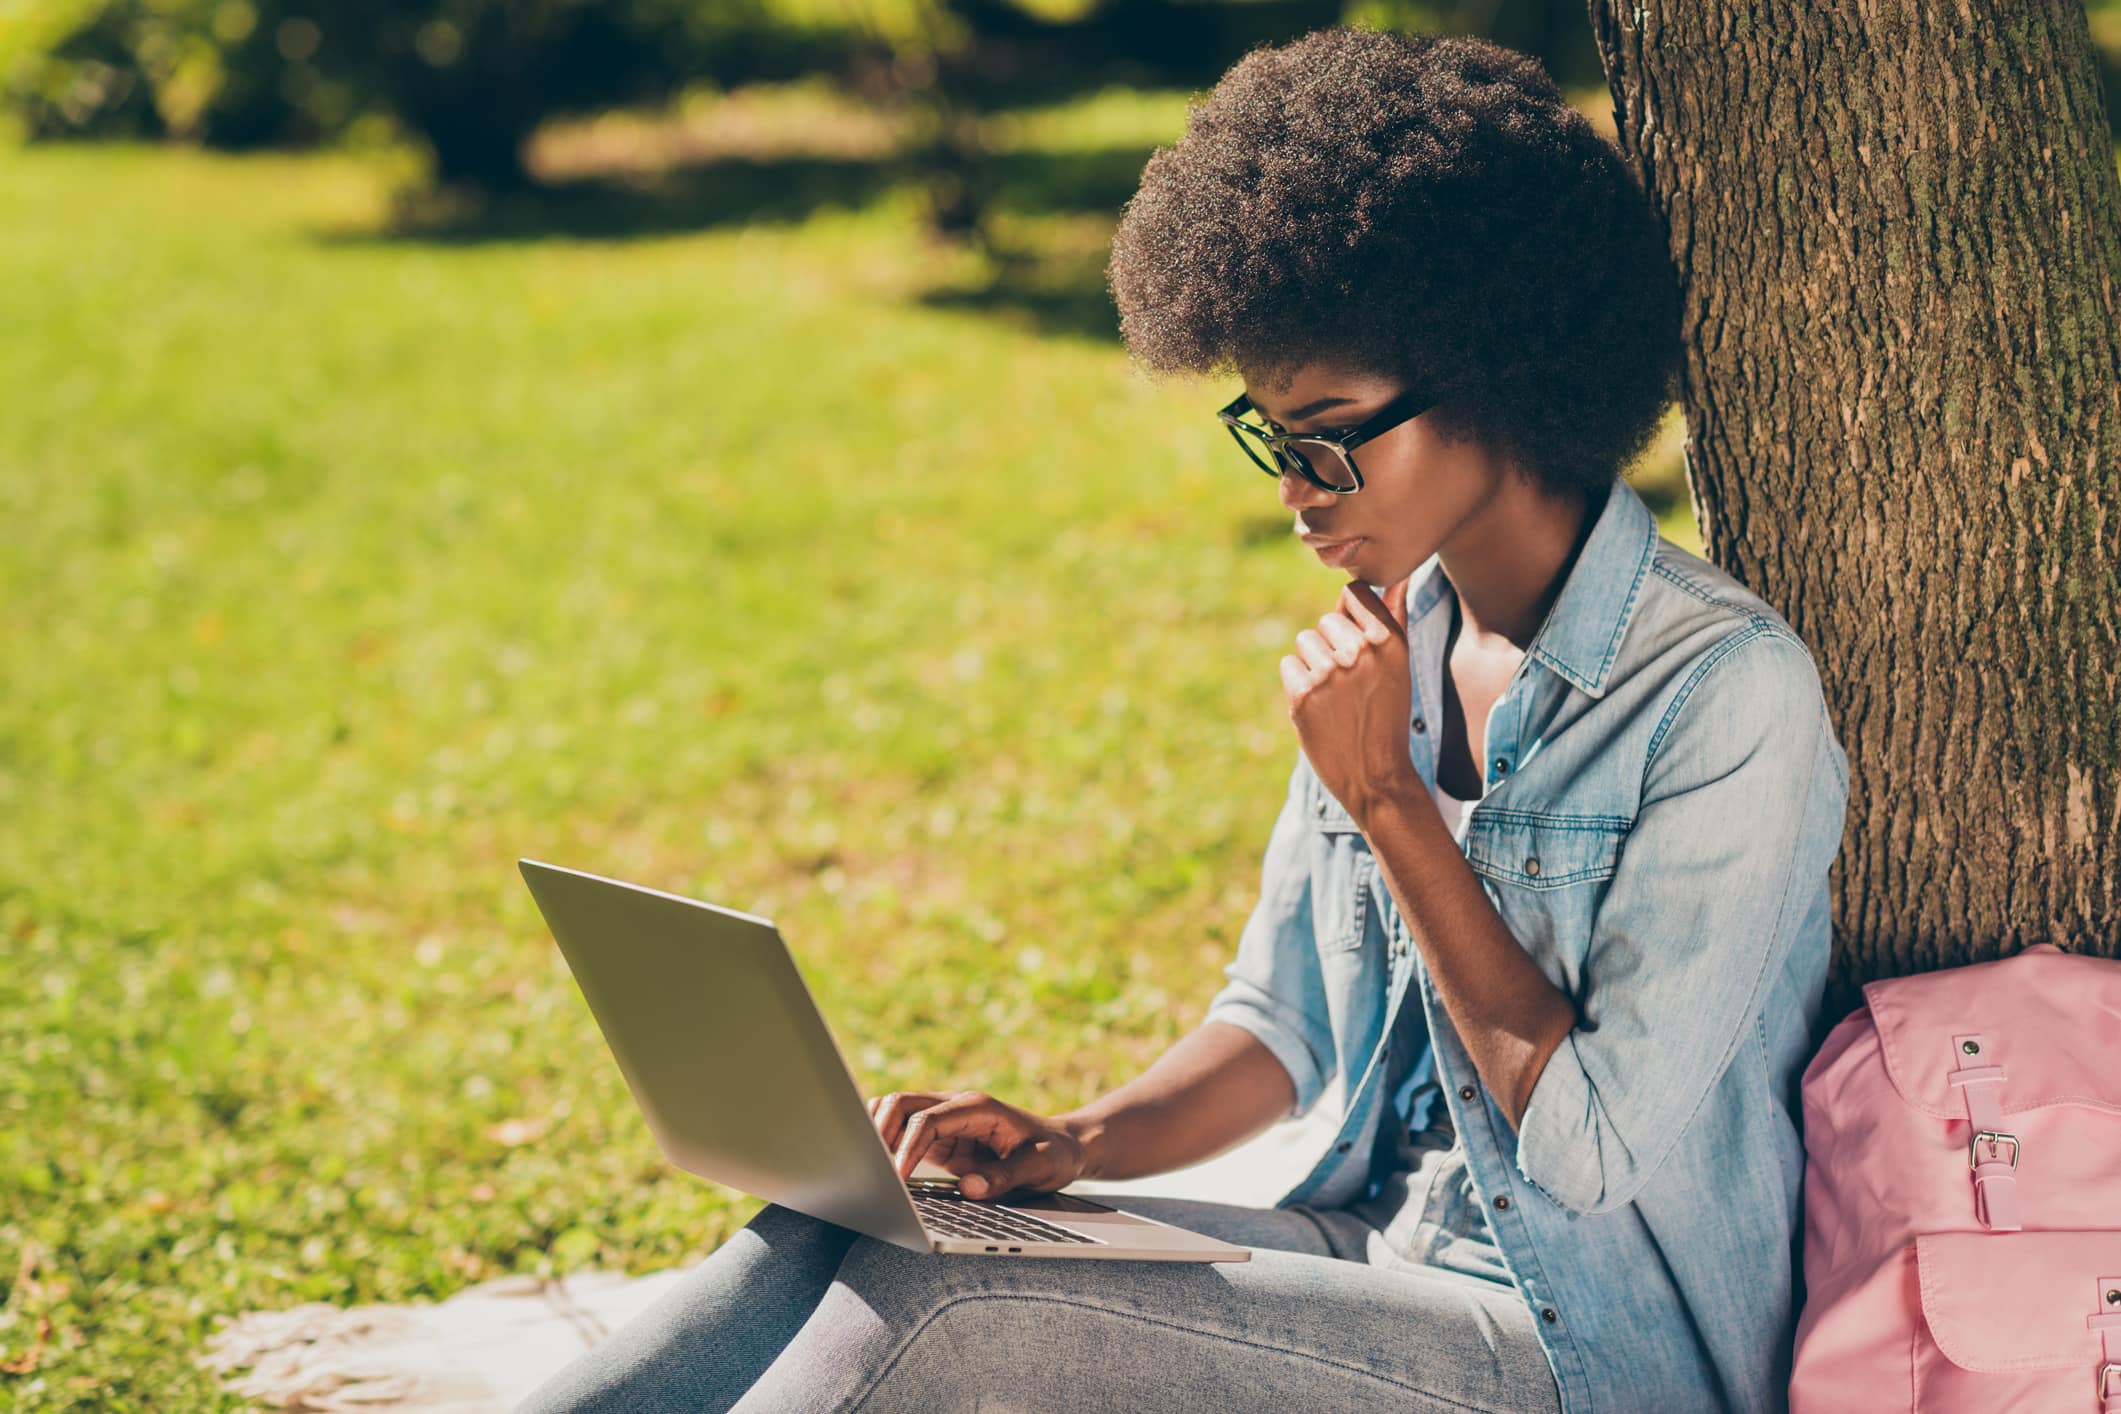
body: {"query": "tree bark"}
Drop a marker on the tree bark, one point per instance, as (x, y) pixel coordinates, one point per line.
(1897, 229)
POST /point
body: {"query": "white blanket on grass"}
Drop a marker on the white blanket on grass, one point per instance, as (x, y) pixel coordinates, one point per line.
(486, 1348)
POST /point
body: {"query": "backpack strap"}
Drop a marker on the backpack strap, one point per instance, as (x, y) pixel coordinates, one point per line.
(1995, 1175)
(2106, 1319)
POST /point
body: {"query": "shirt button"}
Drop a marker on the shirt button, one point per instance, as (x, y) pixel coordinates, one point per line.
(1502, 1202)
(1546, 1313)
(1502, 764)
(1465, 1092)
(1531, 866)
(1420, 725)
(1343, 1146)
(1320, 809)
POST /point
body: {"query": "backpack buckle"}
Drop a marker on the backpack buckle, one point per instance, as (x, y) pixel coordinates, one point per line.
(1994, 1137)
(2105, 1380)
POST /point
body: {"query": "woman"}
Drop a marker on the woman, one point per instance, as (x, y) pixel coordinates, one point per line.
(1543, 922)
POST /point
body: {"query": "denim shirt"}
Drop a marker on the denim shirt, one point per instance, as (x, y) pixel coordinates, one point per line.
(1664, 796)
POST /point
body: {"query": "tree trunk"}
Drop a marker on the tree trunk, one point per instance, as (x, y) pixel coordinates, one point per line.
(1897, 227)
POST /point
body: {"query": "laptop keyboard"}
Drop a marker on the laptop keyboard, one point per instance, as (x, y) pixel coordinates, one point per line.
(945, 1211)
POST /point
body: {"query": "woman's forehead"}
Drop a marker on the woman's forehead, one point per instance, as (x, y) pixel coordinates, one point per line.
(1312, 389)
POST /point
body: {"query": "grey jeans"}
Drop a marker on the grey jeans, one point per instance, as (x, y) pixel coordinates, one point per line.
(1394, 1303)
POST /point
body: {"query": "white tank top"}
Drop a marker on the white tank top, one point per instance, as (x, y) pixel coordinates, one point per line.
(1452, 809)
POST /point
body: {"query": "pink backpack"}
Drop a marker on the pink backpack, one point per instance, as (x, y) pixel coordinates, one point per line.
(1962, 1198)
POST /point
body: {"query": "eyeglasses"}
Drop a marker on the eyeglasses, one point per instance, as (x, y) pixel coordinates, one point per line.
(1325, 459)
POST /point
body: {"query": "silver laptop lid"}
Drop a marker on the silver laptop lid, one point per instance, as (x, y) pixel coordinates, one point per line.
(723, 1047)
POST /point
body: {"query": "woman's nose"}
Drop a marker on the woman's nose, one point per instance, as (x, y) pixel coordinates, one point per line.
(1297, 493)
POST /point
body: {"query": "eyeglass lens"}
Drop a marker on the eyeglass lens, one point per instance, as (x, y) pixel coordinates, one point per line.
(1321, 460)
(1324, 460)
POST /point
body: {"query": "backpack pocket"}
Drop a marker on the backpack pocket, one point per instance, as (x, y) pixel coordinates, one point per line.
(2013, 1320)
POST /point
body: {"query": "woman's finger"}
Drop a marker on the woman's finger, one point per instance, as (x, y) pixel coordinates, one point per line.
(1372, 614)
(1316, 653)
(900, 1107)
(969, 1116)
(1346, 639)
(1034, 1165)
(959, 1156)
(891, 1111)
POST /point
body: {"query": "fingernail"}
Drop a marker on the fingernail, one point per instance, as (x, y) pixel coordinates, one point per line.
(975, 1185)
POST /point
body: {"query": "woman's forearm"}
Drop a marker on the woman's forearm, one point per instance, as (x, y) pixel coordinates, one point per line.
(1511, 1018)
(1215, 1088)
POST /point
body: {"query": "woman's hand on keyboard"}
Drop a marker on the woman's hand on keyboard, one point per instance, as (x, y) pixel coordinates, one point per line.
(992, 1147)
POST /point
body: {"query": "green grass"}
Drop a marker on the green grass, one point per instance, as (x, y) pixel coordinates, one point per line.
(797, 565)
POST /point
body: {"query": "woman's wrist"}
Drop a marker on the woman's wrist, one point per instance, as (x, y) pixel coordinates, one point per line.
(1088, 1131)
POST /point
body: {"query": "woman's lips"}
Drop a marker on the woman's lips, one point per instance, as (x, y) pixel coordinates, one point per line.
(1335, 552)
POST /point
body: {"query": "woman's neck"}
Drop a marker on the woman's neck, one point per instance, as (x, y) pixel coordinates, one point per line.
(1508, 563)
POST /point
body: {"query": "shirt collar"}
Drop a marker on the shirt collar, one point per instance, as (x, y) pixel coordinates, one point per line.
(1581, 636)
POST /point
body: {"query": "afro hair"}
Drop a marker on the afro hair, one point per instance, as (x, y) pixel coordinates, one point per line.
(1421, 208)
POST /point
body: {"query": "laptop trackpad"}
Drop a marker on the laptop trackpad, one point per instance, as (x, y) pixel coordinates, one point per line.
(1051, 1203)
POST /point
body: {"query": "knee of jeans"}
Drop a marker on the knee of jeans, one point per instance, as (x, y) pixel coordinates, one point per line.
(872, 1256)
(957, 1351)
(774, 1215)
(911, 1284)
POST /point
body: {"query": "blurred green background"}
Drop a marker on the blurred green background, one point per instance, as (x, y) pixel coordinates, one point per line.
(727, 477)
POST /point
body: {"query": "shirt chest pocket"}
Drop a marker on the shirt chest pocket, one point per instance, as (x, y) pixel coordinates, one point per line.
(1341, 872)
(1547, 874)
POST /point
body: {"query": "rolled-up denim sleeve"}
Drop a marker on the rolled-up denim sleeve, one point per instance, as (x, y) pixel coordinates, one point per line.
(1741, 815)
(1275, 988)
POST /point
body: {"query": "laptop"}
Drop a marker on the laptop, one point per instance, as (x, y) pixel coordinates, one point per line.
(725, 1052)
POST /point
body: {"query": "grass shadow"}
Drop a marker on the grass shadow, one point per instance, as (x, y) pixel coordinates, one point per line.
(1068, 180)
(1068, 314)
(1047, 236)
(709, 196)
(1063, 296)
(1049, 216)
(739, 191)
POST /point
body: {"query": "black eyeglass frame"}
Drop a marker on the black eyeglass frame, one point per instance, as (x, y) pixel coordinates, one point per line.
(1404, 408)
